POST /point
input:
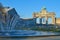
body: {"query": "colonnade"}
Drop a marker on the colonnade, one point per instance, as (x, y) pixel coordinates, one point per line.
(44, 20)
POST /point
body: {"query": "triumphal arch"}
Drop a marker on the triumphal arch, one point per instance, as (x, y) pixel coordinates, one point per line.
(45, 14)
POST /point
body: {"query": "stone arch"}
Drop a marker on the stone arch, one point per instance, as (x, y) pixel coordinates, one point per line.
(46, 14)
(38, 20)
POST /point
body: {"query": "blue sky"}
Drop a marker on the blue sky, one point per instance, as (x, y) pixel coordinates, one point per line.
(25, 8)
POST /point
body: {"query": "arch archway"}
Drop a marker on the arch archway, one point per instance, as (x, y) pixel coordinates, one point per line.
(50, 20)
(43, 20)
(38, 20)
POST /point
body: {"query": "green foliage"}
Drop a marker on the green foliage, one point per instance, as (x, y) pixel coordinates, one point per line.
(46, 29)
(39, 29)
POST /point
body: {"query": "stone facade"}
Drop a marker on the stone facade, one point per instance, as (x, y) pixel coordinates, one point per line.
(58, 21)
(45, 14)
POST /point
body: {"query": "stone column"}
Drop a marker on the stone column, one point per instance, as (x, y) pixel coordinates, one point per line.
(53, 20)
(46, 20)
(40, 20)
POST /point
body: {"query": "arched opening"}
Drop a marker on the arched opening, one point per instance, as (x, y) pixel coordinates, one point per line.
(49, 20)
(38, 20)
(43, 20)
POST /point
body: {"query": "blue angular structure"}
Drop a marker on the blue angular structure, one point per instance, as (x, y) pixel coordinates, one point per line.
(8, 18)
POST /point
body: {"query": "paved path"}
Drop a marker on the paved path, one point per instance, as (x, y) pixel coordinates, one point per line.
(34, 38)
